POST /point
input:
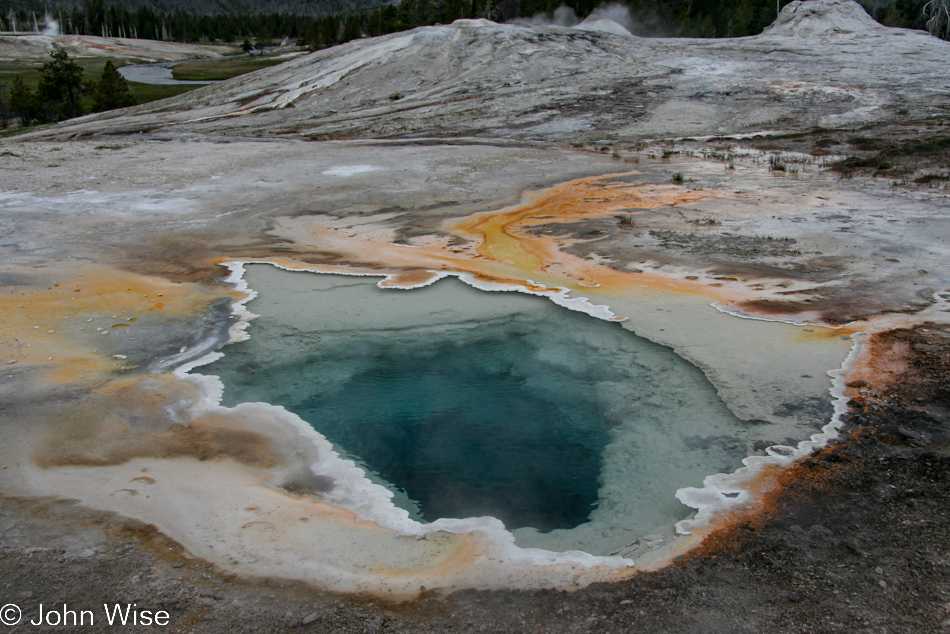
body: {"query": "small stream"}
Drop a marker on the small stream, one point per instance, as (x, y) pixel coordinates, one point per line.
(160, 73)
(157, 73)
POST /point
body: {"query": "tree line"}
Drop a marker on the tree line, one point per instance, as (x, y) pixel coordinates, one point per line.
(672, 18)
(62, 93)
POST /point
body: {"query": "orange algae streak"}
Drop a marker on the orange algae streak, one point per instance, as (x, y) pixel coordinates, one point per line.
(885, 361)
(58, 322)
(505, 235)
(506, 246)
(510, 237)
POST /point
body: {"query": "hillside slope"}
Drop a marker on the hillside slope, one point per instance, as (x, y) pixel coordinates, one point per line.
(822, 64)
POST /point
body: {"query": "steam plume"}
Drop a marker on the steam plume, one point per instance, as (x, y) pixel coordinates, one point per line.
(51, 26)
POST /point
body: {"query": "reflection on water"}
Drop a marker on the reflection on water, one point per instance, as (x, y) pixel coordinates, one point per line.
(467, 403)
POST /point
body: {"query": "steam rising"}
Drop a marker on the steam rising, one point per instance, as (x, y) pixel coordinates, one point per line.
(612, 18)
(562, 16)
(51, 26)
(615, 13)
(565, 16)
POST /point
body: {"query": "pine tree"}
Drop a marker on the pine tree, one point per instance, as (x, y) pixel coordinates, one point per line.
(4, 106)
(351, 29)
(263, 40)
(331, 31)
(111, 91)
(60, 87)
(22, 102)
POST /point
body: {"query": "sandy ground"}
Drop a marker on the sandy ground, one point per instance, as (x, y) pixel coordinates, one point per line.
(112, 252)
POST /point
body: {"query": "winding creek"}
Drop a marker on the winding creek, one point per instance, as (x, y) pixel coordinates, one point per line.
(160, 73)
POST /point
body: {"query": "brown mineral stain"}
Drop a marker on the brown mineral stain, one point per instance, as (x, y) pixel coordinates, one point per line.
(117, 425)
(57, 323)
(60, 326)
(905, 363)
(727, 530)
(405, 279)
(884, 361)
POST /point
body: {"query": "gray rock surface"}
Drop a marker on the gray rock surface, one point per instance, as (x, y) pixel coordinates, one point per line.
(822, 64)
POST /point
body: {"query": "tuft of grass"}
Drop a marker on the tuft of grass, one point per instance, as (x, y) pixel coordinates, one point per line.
(865, 143)
(678, 177)
(776, 164)
(921, 147)
(847, 167)
(927, 179)
(625, 222)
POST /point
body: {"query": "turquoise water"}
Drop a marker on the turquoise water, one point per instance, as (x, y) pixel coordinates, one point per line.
(462, 429)
(470, 403)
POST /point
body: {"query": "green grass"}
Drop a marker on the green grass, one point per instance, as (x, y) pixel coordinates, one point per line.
(145, 93)
(898, 158)
(92, 71)
(30, 70)
(218, 69)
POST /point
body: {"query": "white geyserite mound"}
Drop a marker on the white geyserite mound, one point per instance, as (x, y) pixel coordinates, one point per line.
(822, 17)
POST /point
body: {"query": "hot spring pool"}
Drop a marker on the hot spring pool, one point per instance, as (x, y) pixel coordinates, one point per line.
(573, 431)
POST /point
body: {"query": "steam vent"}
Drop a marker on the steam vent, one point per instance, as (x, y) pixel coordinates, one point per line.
(556, 323)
